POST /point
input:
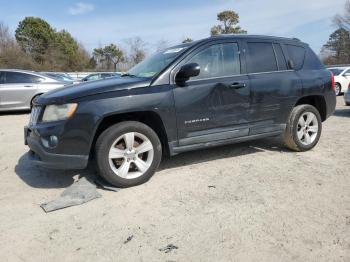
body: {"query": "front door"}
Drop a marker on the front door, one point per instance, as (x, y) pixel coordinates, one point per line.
(17, 89)
(214, 105)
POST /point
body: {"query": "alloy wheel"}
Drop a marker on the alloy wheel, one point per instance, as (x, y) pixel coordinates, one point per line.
(131, 155)
(337, 89)
(307, 129)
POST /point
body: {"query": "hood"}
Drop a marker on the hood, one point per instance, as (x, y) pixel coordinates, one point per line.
(71, 92)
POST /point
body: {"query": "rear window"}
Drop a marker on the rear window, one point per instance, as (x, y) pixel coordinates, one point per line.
(19, 78)
(261, 58)
(297, 55)
(312, 61)
(281, 60)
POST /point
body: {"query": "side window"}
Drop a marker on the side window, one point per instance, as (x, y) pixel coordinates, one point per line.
(93, 77)
(218, 60)
(19, 78)
(106, 75)
(261, 58)
(297, 54)
(281, 60)
(2, 78)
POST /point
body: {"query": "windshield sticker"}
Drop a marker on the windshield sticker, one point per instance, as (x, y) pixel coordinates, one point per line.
(174, 50)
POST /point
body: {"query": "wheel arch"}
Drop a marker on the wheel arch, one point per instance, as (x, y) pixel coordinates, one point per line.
(34, 97)
(340, 85)
(318, 101)
(149, 118)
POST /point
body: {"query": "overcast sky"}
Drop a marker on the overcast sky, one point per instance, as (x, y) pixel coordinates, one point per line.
(101, 22)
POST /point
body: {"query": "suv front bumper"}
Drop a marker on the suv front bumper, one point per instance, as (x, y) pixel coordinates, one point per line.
(40, 156)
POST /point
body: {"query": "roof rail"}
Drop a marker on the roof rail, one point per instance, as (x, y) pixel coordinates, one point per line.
(248, 36)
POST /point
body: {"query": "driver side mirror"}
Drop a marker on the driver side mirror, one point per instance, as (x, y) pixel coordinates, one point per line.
(186, 72)
(347, 74)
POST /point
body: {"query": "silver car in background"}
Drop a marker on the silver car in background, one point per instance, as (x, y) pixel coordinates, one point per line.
(18, 88)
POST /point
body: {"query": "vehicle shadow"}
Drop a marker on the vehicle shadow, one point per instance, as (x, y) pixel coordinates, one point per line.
(342, 112)
(21, 112)
(38, 177)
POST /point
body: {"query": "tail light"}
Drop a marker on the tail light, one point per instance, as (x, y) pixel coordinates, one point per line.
(333, 82)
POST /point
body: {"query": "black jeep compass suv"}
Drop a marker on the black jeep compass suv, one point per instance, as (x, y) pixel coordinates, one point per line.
(211, 92)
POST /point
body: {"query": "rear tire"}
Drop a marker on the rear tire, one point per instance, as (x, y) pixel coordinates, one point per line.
(303, 129)
(128, 154)
(337, 89)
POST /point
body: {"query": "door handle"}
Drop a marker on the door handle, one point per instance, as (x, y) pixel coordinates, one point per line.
(238, 85)
(28, 86)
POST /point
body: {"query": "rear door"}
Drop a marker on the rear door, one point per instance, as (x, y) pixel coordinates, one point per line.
(17, 90)
(214, 105)
(274, 88)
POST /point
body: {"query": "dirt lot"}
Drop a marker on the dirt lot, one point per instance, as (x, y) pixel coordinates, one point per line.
(253, 201)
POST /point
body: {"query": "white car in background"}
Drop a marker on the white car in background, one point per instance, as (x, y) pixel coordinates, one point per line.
(341, 78)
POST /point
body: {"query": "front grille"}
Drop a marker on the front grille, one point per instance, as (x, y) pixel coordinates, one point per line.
(34, 116)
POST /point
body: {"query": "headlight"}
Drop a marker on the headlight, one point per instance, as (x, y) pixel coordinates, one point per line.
(58, 112)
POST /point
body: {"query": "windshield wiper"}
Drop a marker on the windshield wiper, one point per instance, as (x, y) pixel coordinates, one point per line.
(128, 74)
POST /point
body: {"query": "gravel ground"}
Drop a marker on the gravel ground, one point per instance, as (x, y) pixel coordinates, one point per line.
(252, 201)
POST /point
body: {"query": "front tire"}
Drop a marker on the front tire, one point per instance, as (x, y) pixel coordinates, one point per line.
(303, 129)
(128, 154)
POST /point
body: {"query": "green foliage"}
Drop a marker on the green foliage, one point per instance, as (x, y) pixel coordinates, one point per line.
(108, 57)
(229, 20)
(50, 49)
(66, 43)
(11, 55)
(338, 47)
(35, 35)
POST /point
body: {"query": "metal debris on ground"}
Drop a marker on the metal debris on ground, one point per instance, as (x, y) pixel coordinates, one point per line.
(168, 248)
(128, 239)
(78, 193)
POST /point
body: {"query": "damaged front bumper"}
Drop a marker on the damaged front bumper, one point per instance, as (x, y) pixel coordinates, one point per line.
(41, 154)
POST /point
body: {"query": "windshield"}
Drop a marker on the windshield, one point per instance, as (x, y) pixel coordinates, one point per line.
(336, 71)
(157, 62)
(66, 76)
(59, 77)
